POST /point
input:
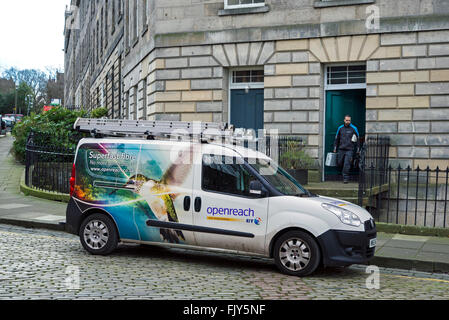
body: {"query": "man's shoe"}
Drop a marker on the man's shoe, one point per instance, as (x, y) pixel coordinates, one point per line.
(345, 181)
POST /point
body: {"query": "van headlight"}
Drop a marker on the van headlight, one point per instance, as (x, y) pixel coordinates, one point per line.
(345, 216)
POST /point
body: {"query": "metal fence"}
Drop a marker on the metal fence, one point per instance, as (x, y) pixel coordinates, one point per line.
(276, 146)
(48, 167)
(373, 164)
(402, 195)
(415, 197)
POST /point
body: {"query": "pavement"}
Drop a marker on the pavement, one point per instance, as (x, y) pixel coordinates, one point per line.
(420, 253)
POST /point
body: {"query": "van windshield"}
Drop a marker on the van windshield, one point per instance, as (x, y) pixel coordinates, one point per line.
(278, 178)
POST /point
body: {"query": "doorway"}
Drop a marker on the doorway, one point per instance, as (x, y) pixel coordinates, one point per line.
(345, 95)
(247, 99)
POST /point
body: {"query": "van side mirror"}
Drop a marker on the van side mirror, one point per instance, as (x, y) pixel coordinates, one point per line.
(257, 189)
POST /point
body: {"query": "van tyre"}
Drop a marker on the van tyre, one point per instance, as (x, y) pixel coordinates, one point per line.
(296, 253)
(98, 234)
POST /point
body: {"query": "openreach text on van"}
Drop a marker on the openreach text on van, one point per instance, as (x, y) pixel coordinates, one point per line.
(230, 212)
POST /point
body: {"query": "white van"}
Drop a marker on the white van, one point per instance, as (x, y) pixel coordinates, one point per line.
(209, 195)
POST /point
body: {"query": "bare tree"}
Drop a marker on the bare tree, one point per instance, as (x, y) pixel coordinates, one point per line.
(36, 80)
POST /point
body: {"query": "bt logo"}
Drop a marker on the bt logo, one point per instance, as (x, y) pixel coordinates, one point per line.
(257, 221)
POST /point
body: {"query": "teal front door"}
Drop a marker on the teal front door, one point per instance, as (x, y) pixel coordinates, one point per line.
(338, 104)
(247, 108)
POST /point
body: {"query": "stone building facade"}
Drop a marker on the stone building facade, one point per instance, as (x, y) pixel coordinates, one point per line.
(298, 64)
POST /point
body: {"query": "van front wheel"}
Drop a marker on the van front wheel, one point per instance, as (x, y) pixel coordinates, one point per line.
(296, 253)
(98, 235)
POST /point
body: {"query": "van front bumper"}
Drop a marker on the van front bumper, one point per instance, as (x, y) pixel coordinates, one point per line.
(343, 248)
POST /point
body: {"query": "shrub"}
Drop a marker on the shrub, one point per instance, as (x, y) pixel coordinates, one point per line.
(296, 158)
(99, 113)
(56, 126)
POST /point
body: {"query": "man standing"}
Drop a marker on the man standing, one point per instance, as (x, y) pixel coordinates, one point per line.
(346, 140)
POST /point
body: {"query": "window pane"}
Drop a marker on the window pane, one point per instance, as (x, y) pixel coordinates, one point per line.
(354, 68)
(257, 76)
(278, 178)
(227, 175)
(356, 80)
(248, 76)
(339, 69)
(338, 81)
(346, 74)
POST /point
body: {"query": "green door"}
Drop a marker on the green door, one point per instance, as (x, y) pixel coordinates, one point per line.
(338, 104)
(247, 109)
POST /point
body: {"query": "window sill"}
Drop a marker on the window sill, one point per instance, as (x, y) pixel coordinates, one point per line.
(228, 12)
(336, 3)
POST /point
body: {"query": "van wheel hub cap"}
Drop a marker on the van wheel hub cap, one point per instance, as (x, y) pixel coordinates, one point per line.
(294, 254)
(96, 234)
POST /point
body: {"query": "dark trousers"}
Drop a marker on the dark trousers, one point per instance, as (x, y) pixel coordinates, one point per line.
(344, 161)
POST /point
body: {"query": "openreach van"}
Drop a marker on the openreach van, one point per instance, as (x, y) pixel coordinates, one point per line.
(144, 182)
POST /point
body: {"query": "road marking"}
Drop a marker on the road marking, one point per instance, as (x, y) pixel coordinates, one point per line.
(416, 278)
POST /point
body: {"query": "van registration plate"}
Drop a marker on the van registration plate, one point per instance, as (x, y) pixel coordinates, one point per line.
(372, 242)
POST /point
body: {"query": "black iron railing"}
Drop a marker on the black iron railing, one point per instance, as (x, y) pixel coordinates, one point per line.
(48, 167)
(276, 146)
(373, 163)
(401, 195)
(415, 197)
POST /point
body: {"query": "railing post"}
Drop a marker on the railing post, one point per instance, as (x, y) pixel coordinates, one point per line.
(389, 188)
(28, 158)
(397, 193)
(445, 197)
(436, 197)
(416, 195)
(361, 177)
(406, 196)
(427, 193)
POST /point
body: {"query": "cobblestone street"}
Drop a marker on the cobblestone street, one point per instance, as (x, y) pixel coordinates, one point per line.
(40, 264)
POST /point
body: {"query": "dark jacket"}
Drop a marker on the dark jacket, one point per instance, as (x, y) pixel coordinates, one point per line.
(343, 138)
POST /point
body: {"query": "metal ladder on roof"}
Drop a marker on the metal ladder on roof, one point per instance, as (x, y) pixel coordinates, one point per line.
(161, 129)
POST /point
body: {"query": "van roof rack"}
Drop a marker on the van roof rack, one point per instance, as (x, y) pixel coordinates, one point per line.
(160, 129)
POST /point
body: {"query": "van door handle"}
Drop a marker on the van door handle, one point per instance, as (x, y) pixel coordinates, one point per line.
(187, 203)
(197, 204)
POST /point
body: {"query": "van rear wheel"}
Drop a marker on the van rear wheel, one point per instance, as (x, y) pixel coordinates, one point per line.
(98, 234)
(296, 253)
